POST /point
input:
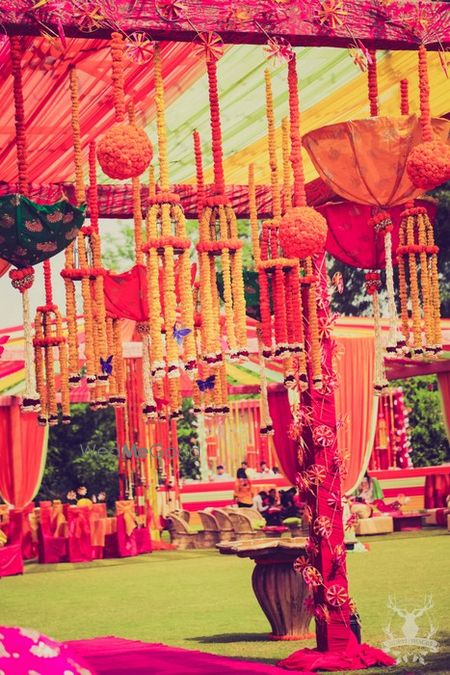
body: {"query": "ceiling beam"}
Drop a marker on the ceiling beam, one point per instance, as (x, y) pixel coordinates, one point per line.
(379, 25)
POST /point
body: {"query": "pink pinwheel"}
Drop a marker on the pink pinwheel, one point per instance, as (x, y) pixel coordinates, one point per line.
(324, 436)
(210, 45)
(170, 10)
(312, 577)
(334, 501)
(336, 595)
(300, 563)
(139, 48)
(316, 474)
(322, 527)
(279, 48)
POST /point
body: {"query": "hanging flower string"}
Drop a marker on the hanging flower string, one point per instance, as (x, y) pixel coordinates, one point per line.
(404, 97)
(218, 236)
(23, 279)
(428, 164)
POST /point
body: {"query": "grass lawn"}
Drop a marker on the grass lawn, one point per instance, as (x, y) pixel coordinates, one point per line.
(202, 600)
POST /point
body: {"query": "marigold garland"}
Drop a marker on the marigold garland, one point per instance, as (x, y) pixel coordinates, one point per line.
(23, 279)
(218, 222)
(404, 97)
(124, 151)
(372, 81)
(286, 151)
(428, 163)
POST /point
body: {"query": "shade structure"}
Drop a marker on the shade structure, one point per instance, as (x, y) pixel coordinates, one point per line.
(31, 233)
(351, 237)
(364, 161)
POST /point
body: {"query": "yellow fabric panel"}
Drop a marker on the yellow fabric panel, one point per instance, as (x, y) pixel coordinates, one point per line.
(348, 102)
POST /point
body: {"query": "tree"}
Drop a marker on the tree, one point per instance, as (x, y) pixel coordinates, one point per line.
(188, 441)
(82, 454)
(429, 442)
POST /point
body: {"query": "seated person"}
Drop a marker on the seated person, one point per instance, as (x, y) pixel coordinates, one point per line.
(220, 474)
(243, 493)
(274, 512)
(287, 502)
(264, 471)
(260, 502)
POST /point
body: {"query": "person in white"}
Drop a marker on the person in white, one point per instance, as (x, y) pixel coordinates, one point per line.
(221, 474)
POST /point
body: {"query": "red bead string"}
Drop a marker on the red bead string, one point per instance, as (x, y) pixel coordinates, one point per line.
(299, 197)
(424, 90)
(93, 196)
(48, 283)
(216, 132)
(373, 83)
(200, 178)
(19, 114)
(118, 82)
(404, 97)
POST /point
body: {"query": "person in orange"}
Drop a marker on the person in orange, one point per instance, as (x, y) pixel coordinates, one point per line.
(243, 493)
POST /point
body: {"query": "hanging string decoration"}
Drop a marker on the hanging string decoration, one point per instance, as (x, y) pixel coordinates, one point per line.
(124, 151)
(80, 266)
(218, 238)
(303, 230)
(167, 249)
(428, 164)
(279, 278)
(419, 283)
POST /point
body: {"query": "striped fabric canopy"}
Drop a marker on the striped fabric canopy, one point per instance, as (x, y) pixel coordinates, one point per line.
(332, 89)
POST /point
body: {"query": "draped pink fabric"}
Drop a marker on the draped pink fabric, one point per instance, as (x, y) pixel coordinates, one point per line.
(354, 403)
(23, 448)
(444, 390)
(280, 413)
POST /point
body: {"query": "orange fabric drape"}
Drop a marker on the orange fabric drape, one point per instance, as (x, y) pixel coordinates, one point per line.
(356, 404)
(444, 390)
(23, 449)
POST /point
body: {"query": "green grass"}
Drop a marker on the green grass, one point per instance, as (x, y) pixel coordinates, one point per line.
(202, 600)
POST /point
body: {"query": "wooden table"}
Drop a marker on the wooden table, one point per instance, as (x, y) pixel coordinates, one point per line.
(404, 522)
(280, 592)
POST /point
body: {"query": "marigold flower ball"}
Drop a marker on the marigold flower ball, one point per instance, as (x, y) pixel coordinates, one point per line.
(124, 152)
(428, 164)
(303, 232)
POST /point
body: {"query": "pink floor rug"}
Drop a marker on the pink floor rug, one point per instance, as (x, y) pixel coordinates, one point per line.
(117, 656)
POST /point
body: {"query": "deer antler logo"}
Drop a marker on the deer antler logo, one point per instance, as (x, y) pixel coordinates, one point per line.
(411, 647)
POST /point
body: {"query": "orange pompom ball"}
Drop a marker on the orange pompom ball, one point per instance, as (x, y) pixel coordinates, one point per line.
(124, 151)
(428, 164)
(303, 232)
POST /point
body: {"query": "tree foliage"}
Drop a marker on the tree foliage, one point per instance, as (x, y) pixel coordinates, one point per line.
(429, 441)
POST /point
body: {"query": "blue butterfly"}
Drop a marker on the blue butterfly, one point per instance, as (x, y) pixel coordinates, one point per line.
(106, 365)
(180, 333)
(209, 383)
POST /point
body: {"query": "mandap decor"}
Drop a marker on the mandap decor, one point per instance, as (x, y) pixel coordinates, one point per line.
(34, 233)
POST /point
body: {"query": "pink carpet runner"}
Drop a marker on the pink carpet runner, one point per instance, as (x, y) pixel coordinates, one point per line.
(117, 656)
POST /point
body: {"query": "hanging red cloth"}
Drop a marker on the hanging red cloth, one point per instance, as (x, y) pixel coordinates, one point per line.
(23, 450)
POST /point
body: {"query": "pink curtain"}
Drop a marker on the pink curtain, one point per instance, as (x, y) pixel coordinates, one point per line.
(23, 449)
(286, 449)
(356, 404)
(444, 390)
(356, 407)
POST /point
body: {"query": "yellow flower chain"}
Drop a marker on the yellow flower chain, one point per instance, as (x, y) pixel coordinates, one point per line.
(403, 290)
(434, 288)
(39, 368)
(316, 361)
(427, 305)
(50, 373)
(414, 288)
(253, 215)
(227, 282)
(112, 383)
(118, 359)
(287, 194)
(64, 370)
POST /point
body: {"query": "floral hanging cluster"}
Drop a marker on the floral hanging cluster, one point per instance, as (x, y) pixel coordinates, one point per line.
(167, 250)
(124, 151)
(23, 278)
(419, 283)
(83, 263)
(218, 239)
(428, 164)
(48, 339)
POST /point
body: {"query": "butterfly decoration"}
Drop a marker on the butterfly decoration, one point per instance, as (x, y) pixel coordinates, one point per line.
(179, 334)
(106, 365)
(337, 282)
(209, 383)
(3, 340)
(161, 402)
